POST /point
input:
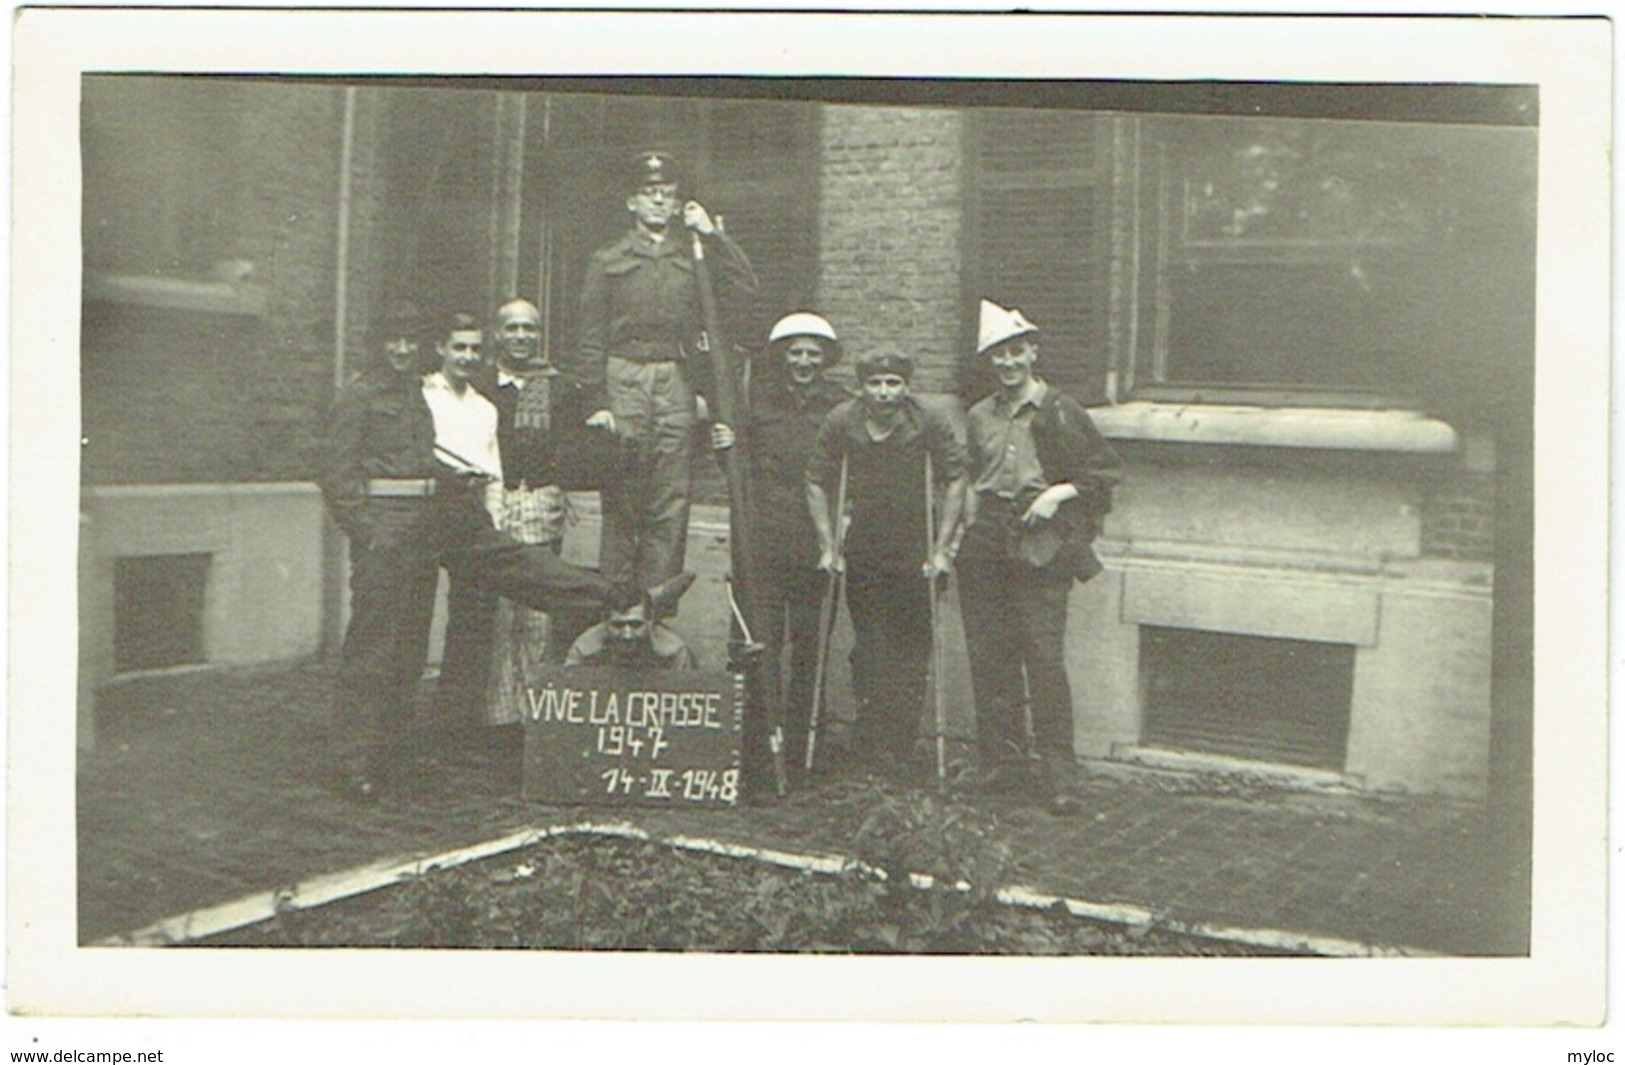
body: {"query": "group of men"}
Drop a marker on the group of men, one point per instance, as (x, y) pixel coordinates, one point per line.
(881, 493)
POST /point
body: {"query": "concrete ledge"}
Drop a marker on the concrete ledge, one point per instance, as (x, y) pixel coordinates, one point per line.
(198, 491)
(175, 294)
(1253, 607)
(1326, 428)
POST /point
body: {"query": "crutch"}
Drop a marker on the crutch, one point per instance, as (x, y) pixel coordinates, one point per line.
(826, 615)
(936, 670)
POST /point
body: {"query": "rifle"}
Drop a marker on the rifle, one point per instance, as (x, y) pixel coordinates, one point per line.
(936, 670)
(826, 615)
(741, 555)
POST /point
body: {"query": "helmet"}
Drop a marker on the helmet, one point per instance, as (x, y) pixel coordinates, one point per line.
(801, 324)
(805, 324)
(998, 325)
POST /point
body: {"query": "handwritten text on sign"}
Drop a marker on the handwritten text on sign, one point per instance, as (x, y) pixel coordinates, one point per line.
(669, 737)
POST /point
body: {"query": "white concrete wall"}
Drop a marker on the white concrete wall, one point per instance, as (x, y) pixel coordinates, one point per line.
(263, 597)
(1329, 557)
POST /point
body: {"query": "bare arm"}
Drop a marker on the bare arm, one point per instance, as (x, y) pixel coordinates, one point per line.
(818, 506)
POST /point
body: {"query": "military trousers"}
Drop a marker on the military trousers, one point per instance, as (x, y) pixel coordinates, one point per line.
(645, 510)
(787, 602)
(393, 575)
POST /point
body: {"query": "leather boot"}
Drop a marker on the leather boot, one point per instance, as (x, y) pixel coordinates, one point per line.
(1058, 774)
(665, 595)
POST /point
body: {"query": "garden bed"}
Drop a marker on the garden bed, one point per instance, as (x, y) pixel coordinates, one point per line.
(601, 893)
(925, 880)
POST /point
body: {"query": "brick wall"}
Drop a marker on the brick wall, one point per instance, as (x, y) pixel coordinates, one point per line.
(889, 234)
(175, 396)
(1458, 518)
(289, 229)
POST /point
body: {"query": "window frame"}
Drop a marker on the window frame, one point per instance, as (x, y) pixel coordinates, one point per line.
(1158, 205)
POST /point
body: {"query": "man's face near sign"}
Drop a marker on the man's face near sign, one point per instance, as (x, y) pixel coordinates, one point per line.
(629, 631)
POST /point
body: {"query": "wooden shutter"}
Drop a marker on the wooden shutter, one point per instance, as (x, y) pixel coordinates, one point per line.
(1036, 238)
(760, 172)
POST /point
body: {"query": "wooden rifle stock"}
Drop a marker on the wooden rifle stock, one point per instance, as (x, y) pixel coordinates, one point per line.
(741, 553)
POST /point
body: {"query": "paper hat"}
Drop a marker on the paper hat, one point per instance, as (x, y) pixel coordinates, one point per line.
(998, 325)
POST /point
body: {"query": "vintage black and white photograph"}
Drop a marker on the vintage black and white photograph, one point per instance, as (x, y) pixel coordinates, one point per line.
(533, 514)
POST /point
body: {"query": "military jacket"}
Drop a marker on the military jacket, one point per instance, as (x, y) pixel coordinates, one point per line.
(380, 427)
(639, 301)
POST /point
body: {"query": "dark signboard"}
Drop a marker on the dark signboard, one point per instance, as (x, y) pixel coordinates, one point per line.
(663, 738)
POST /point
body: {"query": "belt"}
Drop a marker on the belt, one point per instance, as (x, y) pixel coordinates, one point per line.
(401, 487)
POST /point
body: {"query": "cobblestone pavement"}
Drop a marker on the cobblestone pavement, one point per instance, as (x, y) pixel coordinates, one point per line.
(207, 787)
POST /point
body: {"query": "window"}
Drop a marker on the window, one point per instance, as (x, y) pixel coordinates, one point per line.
(1326, 262)
(158, 161)
(158, 603)
(1252, 697)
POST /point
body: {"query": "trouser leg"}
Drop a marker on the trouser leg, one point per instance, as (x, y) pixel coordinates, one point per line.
(619, 509)
(391, 595)
(804, 596)
(465, 665)
(891, 622)
(911, 625)
(987, 601)
(1043, 620)
(763, 697)
(663, 542)
(864, 603)
(532, 575)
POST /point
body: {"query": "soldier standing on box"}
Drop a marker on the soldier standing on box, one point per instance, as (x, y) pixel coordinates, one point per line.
(640, 328)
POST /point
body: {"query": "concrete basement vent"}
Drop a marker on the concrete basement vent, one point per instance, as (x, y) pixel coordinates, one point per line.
(158, 611)
(1252, 697)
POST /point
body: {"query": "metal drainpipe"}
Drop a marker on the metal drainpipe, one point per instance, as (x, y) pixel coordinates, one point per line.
(333, 542)
(544, 280)
(341, 286)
